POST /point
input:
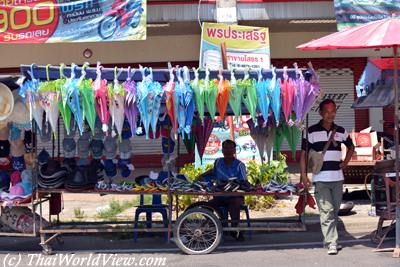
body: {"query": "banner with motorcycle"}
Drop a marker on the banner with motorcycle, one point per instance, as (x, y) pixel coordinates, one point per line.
(55, 21)
(232, 46)
(355, 12)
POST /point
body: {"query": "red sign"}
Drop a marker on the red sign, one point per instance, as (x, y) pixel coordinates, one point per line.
(29, 22)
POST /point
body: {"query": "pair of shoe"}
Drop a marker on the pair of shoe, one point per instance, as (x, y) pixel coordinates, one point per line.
(237, 235)
(333, 249)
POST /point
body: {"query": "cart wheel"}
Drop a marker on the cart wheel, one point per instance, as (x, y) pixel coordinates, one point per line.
(375, 238)
(197, 231)
(47, 250)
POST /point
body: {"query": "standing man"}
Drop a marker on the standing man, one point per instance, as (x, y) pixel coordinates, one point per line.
(329, 181)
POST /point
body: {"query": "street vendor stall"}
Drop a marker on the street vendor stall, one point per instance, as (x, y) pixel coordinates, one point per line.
(80, 94)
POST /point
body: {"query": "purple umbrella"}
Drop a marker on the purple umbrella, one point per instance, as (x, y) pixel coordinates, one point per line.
(130, 108)
(299, 95)
(202, 134)
(311, 93)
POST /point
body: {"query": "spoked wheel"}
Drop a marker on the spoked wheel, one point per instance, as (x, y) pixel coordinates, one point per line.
(197, 231)
(108, 26)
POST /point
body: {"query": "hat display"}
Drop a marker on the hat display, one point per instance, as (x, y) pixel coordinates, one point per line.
(84, 177)
(110, 168)
(4, 181)
(45, 133)
(70, 164)
(16, 191)
(43, 157)
(125, 149)
(4, 133)
(26, 176)
(52, 175)
(126, 167)
(110, 147)
(6, 102)
(69, 147)
(84, 145)
(96, 148)
(17, 148)
(18, 163)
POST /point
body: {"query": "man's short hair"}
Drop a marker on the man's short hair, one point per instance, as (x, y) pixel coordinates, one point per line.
(228, 142)
(326, 102)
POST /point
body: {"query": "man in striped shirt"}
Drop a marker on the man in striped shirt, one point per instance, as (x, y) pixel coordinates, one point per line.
(329, 181)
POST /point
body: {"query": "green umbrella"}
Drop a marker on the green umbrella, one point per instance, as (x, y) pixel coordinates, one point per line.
(62, 104)
(211, 97)
(292, 135)
(198, 87)
(87, 103)
(249, 96)
(235, 97)
(278, 132)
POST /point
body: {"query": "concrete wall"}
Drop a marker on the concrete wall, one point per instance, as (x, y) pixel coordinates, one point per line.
(158, 49)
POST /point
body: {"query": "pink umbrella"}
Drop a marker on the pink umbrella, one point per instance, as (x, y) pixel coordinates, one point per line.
(101, 95)
(376, 34)
(287, 92)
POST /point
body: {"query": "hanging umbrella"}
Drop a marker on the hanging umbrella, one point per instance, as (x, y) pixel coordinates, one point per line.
(257, 132)
(49, 101)
(292, 135)
(87, 102)
(198, 87)
(62, 104)
(117, 111)
(102, 103)
(172, 110)
(299, 96)
(376, 34)
(130, 106)
(202, 133)
(211, 91)
(235, 97)
(275, 92)
(158, 93)
(73, 101)
(287, 91)
(188, 101)
(263, 97)
(312, 92)
(278, 139)
(249, 95)
(222, 97)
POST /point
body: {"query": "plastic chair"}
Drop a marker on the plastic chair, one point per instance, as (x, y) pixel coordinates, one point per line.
(155, 207)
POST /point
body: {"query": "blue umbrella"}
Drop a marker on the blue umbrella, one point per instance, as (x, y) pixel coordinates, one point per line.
(143, 98)
(275, 92)
(72, 87)
(189, 101)
(263, 96)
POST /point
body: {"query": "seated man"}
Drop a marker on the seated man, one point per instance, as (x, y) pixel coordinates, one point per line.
(225, 168)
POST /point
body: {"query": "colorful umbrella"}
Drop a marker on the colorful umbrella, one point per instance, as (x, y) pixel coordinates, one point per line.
(172, 110)
(73, 101)
(210, 93)
(312, 92)
(49, 101)
(222, 97)
(198, 87)
(101, 95)
(62, 103)
(249, 95)
(158, 92)
(87, 102)
(287, 91)
(143, 99)
(87, 99)
(292, 135)
(235, 97)
(202, 133)
(278, 139)
(130, 107)
(30, 92)
(262, 87)
(275, 92)
(188, 101)
(299, 95)
(117, 111)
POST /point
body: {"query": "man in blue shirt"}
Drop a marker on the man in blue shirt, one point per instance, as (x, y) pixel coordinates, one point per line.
(225, 168)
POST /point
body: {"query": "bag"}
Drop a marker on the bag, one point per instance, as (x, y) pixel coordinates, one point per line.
(316, 159)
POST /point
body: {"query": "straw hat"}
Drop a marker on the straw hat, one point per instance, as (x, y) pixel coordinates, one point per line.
(6, 102)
